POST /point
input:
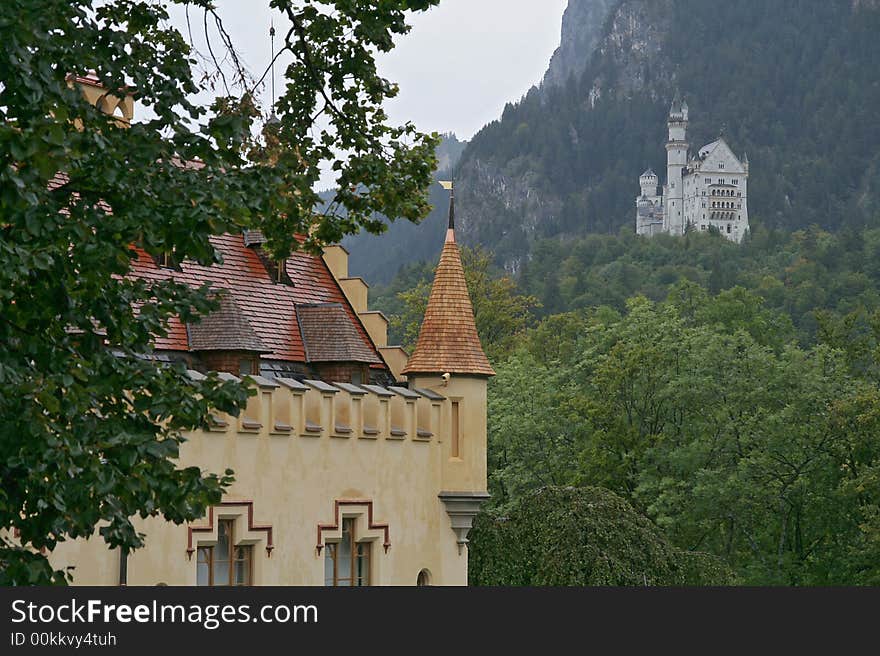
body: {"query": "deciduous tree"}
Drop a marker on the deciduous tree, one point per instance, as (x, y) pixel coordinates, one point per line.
(90, 423)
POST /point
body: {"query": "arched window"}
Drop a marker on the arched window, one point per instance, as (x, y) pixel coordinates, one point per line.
(424, 578)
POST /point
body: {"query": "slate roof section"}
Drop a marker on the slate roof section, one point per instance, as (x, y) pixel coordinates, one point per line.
(448, 340)
(225, 329)
(270, 307)
(328, 335)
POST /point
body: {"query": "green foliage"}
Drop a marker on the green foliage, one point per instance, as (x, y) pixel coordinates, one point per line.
(796, 274)
(500, 312)
(728, 392)
(759, 452)
(90, 434)
(581, 536)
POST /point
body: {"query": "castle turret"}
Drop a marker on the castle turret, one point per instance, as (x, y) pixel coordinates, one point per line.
(648, 183)
(676, 160)
(449, 359)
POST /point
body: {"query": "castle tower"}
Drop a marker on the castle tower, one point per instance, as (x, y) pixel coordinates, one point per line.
(676, 160)
(648, 184)
(449, 359)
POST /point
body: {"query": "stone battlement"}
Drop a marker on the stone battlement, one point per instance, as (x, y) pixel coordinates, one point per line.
(315, 409)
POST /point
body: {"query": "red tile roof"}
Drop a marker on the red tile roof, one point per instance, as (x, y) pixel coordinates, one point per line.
(270, 307)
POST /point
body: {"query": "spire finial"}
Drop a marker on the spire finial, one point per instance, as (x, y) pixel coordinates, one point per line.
(272, 117)
(450, 186)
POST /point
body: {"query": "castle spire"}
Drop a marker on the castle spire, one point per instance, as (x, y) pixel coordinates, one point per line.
(273, 119)
(448, 340)
(450, 229)
(675, 107)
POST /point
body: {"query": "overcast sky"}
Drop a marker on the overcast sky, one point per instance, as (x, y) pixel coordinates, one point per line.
(460, 64)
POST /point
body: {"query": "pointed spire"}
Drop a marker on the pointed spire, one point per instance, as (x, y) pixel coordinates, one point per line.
(272, 118)
(450, 228)
(451, 225)
(448, 340)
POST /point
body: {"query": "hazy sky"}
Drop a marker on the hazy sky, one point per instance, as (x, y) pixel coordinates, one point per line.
(460, 64)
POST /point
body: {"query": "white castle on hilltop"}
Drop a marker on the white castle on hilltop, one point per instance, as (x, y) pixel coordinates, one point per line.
(703, 190)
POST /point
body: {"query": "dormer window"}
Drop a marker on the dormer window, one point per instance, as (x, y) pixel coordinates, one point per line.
(166, 260)
(277, 269)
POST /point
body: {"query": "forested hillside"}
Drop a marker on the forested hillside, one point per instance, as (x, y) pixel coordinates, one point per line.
(728, 392)
(793, 84)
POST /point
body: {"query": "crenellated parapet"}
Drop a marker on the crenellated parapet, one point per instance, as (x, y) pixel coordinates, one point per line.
(317, 409)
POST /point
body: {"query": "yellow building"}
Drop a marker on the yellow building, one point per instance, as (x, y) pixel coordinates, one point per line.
(354, 464)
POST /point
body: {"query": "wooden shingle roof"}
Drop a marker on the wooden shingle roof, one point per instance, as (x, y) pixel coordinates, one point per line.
(225, 329)
(329, 335)
(448, 340)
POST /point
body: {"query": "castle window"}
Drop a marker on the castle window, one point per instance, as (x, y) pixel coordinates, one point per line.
(455, 431)
(167, 260)
(224, 563)
(347, 562)
(249, 367)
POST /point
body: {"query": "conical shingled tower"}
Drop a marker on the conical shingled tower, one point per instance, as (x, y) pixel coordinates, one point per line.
(449, 360)
(448, 340)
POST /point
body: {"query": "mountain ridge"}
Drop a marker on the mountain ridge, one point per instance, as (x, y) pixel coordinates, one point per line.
(793, 84)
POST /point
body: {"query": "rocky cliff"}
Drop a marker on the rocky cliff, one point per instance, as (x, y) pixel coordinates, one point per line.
(582, 27)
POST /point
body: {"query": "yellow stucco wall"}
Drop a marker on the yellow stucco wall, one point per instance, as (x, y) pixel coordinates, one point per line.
(294, 479)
